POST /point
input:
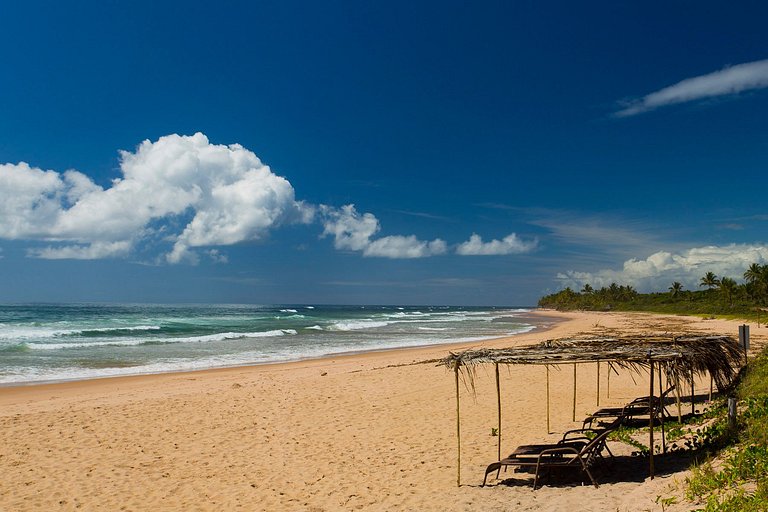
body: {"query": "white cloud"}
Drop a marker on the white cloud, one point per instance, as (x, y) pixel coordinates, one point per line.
(659, 270)
(221, 194)
(404, 247)
(189, 197)
(510, 244)
(353, 231)
(92, 251)
(731, 80)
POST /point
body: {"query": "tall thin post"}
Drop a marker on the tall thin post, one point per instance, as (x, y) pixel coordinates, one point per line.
(660, 413)
(693, 395)
(574, 391)
(608, 385)
(677, 399)
(498, 404)
(598, 383)
(548, 427)
(711, 383)
(661, 383)
(650, 425)
(458, 428)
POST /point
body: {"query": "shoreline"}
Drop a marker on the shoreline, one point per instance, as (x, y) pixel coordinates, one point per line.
(7, 389)
(545, 314)
(370, 431)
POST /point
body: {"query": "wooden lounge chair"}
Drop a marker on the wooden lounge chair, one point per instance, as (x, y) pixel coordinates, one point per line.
(638, 407)
(578, 454)
(576, 438)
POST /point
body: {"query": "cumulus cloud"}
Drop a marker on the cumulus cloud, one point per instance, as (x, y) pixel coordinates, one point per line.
(352, 231)
(93, 251)
(731, 80)
(660, 269)
(510, 244)
(187, 197)
(404, 247)
(220, 195)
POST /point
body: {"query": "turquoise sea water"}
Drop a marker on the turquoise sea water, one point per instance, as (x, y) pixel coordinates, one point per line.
(51, 342)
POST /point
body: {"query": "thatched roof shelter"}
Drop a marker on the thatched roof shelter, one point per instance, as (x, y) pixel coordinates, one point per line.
(680, 358)
(719, 356)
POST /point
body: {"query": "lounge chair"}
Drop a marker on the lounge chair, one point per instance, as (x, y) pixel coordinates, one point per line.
(638, 407)
(580, 453)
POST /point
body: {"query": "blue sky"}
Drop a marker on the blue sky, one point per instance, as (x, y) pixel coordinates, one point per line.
(493, 151)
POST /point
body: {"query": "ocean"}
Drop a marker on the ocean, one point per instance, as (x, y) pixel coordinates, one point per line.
(57, 342)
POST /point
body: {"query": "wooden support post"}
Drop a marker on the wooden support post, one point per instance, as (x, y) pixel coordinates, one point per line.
(677, 399)
(574, 391)
(608, 384)
(598, 384)
(549, 429)
(498, 404)
(458, 429)
(650, 432)
(711, 383)
(693, 396)
(661, 384)
(660, 414)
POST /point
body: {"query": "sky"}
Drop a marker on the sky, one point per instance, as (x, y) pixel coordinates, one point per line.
(347, 152)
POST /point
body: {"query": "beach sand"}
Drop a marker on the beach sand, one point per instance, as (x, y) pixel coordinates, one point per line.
(359, 432)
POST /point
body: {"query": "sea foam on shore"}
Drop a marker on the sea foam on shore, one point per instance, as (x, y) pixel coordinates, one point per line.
(44, 342)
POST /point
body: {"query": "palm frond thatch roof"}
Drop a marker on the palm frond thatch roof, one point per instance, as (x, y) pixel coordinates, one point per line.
(719, 356)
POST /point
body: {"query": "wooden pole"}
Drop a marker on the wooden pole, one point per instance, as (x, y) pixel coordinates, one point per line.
(574, 391)
(677, 399)
(661, 415)
(711, 383)
(693, 396)
(598, 384)
(458, 429)
(650, 432)
(498, 404)
(661, 387)
(608, 386)
(549, 430)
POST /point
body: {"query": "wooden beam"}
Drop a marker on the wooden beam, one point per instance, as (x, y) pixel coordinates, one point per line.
(498, 404)
(574, 391)
(549, 429)
(693, 396)
(650, 426)
(458, 429)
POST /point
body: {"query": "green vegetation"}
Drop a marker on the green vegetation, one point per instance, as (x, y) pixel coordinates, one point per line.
(735, 475)
(740, 480)
(722, 296)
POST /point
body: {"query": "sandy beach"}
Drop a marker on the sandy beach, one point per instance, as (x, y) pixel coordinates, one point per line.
(358, 432)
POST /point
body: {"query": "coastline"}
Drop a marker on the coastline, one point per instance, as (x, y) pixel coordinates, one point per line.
(549, 315)
(356, 431)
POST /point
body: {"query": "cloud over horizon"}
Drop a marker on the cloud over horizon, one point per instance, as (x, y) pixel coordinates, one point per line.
(510, 244)
(186, 196)
(659, 270)
(728, 81)
(353, 231)
(217, 194)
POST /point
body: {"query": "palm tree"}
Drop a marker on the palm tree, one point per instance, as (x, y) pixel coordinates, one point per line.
(675, 289)
(728, 288)
(754, 273)
(710, 280)
(587, 289)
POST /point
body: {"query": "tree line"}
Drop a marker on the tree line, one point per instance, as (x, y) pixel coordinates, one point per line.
(714, 295)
